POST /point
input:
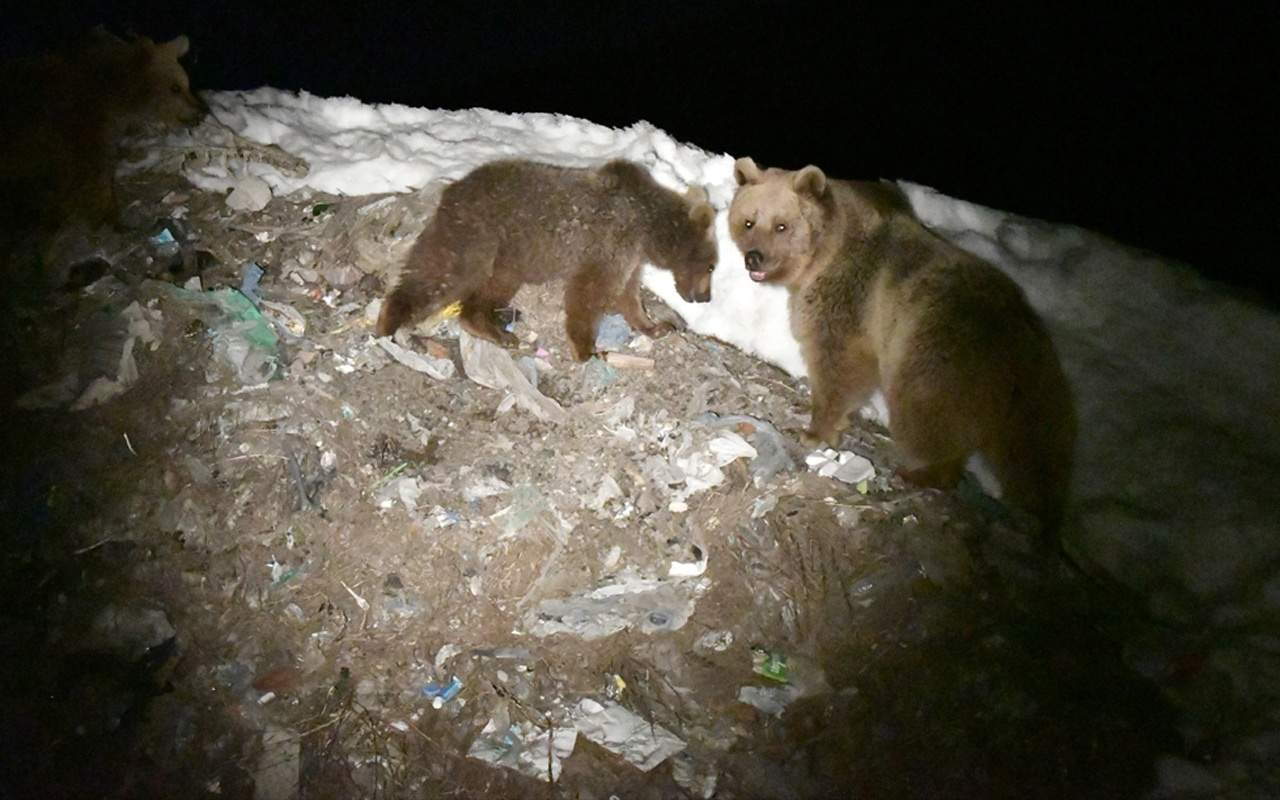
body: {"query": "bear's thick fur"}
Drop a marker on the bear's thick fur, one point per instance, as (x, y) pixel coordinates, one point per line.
(879, 301)
(508, 223)
(62, 118)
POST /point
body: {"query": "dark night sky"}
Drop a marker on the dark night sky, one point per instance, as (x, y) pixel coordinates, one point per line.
(1149, 122)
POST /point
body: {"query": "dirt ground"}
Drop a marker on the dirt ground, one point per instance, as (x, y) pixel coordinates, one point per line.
(278, 563)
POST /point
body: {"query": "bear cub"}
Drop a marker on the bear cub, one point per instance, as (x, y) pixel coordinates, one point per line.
(879, 301)
(508, 223)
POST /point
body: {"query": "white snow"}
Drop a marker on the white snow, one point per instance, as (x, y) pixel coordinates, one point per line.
(1177, 382)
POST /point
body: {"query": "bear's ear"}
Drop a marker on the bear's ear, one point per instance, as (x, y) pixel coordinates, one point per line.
(702, 213)
(143, 51)
(810, 180)
(745, 171)
(176, 48)
(695, 195)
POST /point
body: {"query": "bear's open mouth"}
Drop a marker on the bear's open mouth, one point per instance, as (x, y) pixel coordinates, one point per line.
(757, 275)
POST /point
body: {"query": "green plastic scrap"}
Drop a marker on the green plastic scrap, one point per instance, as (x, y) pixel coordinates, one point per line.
(239, 308)
(770, 665)
(237, 318)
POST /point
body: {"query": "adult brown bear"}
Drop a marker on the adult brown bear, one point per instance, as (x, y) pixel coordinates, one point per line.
(63, 115)
(879, 301)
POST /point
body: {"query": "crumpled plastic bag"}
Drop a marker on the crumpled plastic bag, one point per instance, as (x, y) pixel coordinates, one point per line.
(491, 366)
(438, 368)
(642, 743)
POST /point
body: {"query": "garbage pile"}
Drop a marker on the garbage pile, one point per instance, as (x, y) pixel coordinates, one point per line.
(329, 564)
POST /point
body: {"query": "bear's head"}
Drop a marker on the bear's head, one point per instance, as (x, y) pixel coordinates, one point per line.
(776, 218)
(692, 255)
(158, 87)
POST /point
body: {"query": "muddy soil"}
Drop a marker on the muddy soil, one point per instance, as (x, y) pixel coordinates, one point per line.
(272, 561)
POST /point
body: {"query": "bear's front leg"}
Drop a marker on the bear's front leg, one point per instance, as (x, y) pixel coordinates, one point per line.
(587, 295)
(839, 387)
(829, 417)
(632, 309)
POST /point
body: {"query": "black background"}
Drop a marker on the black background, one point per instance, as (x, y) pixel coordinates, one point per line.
(1150, 122)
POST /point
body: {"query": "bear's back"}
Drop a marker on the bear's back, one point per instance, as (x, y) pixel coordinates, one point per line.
(541, 211)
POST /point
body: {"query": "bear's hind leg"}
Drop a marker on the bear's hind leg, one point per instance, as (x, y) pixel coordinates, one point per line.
(933, 427)
(938, 475)
(479, 315)
(1032, 460)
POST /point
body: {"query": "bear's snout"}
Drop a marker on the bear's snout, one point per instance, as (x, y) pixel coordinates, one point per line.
(199, 108)
(755, 261)
(696, 291)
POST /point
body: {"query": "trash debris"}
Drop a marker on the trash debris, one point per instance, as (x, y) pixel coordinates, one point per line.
(242, 337)
(597, 374)
(771, 665)
(491, 366)
(444, 654)
(439, 368)
(134, 325)
(527, 504)
(131, 631)
(770, 447)
(287, 319)
(500, 744)
(628, 601)
(842, 465)
(696, 464)
(802, 676)
(627, 361)
(102, 389)
(442, 693)
(642, 743)
(164, 244)
(717, 641)
(276, 777)
(772, 700)
(689, 569)
(249, 282)
(613, 333)
(539, 751)
(615, 687)
(250, 194)
(763, 505)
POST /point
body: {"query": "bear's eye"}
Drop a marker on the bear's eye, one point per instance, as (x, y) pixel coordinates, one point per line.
(748, 224)
(176, 89)
(711, 268)
(781, 227)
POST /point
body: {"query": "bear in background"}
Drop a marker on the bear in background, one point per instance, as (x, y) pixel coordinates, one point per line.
(62, 118)
(879, 301)
(508, 223)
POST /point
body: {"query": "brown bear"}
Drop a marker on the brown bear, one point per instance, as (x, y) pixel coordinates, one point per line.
(62, 118)
(879, 301)
(508, 223)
